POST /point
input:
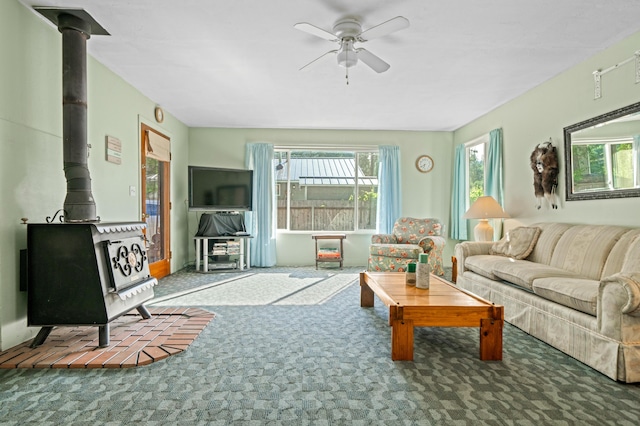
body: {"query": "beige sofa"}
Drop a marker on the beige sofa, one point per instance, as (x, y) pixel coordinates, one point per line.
(578, 290)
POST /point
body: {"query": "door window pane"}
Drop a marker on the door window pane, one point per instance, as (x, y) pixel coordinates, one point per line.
(154, 204)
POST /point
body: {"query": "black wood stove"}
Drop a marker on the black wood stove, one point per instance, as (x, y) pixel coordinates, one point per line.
(82, 272)
(86, 274)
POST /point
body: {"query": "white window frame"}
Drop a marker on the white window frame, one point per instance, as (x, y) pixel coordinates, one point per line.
(325, 148)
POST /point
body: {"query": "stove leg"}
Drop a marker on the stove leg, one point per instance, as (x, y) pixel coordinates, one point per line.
(103, 336)
(41, 337)
(142, 310)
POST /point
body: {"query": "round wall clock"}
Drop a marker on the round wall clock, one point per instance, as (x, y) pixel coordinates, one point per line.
(159, 113)
(424, 163)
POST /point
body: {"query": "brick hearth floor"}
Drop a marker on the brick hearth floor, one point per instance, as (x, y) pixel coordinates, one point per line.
(134, 341)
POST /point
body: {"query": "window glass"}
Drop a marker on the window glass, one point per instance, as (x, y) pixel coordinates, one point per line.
(326, 190)
(602, 165)
(476, 175)
(622, 165)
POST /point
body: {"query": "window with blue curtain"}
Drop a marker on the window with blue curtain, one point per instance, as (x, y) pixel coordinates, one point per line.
(326, 189)
(389, 188)
(261, 222)
(459, 195)
(477, 171)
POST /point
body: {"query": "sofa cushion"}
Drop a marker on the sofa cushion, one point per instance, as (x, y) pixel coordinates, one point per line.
(583, 249)
(576, 293)
(522, 272)
(618, 253)
(551, 233)
(405, 251)
(632, 258)
(517, 243)
(483, 264)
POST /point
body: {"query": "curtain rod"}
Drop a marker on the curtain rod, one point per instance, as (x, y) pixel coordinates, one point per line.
(597, 74)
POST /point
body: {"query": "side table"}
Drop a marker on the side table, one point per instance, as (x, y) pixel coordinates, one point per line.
(339, 257)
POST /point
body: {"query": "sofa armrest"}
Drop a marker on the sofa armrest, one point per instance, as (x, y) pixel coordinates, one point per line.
(383, 239)
(432, 243)
(628, 298)
(469, 248)
(618, 306)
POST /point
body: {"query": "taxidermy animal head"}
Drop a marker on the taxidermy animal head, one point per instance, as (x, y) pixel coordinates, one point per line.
(544, 163)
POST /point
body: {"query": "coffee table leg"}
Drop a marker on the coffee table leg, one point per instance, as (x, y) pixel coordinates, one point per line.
(401, 340)
(366, 294)
(491, 339)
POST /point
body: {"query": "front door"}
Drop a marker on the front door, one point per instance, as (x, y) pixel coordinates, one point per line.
(156, 207)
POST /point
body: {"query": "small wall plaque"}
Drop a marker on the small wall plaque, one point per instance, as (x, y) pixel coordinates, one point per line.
(114, 150)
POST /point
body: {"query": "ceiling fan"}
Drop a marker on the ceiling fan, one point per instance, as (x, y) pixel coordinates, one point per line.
(348, 31)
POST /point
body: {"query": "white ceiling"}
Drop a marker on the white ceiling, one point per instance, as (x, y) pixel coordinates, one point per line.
(235, 63)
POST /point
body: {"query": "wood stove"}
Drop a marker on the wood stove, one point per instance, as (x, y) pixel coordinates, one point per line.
(82, 272)
(86, 274)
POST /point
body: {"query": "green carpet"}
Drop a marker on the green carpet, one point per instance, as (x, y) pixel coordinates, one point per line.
(313, 356)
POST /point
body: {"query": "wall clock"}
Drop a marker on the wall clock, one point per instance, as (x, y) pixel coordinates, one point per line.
(424, 163)
(159, 113)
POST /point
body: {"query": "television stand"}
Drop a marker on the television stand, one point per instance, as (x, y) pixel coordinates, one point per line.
(222, 249)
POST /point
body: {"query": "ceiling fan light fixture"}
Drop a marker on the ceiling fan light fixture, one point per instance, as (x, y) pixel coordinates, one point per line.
(347, 54)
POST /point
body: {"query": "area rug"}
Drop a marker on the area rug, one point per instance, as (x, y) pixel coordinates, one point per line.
(325, 364)
(283, 287)
(134, 341)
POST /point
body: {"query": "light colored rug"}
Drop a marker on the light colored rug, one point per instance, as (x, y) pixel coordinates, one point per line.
(262, 289)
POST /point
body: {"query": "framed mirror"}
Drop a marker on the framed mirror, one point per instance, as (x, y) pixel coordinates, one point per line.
(602, 156)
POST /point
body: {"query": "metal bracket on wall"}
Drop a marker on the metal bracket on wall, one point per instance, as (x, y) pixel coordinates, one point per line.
(597, 74)
(597, 88)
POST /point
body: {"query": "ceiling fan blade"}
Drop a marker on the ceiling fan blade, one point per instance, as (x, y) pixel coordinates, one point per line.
(374, 62)
(392, 25)
(313, 30)
(318, 58)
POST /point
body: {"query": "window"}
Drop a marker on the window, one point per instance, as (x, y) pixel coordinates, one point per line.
(326, 190)
(476, 175)
(603, 165)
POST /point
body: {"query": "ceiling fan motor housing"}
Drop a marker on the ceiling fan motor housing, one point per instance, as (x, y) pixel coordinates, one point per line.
(347, 30)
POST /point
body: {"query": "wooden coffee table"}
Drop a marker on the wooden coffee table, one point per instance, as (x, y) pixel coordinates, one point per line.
(442, 305)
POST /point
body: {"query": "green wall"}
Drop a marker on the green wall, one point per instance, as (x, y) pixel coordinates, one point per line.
(32, 182)
(543, 113)
(424, 195)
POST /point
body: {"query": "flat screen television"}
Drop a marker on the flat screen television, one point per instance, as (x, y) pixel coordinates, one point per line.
(216, 189)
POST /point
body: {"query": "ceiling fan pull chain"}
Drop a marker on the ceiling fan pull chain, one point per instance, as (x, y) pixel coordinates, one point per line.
(347, 68)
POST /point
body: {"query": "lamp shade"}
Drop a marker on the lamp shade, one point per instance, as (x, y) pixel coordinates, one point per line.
(485, 207)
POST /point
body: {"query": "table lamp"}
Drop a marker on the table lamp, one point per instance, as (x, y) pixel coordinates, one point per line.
(484, 208)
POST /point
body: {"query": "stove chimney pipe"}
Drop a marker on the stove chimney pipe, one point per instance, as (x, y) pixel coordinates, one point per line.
(79, 205)
(76, 27)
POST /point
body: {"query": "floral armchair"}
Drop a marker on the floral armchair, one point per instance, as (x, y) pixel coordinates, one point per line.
(410, 237)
